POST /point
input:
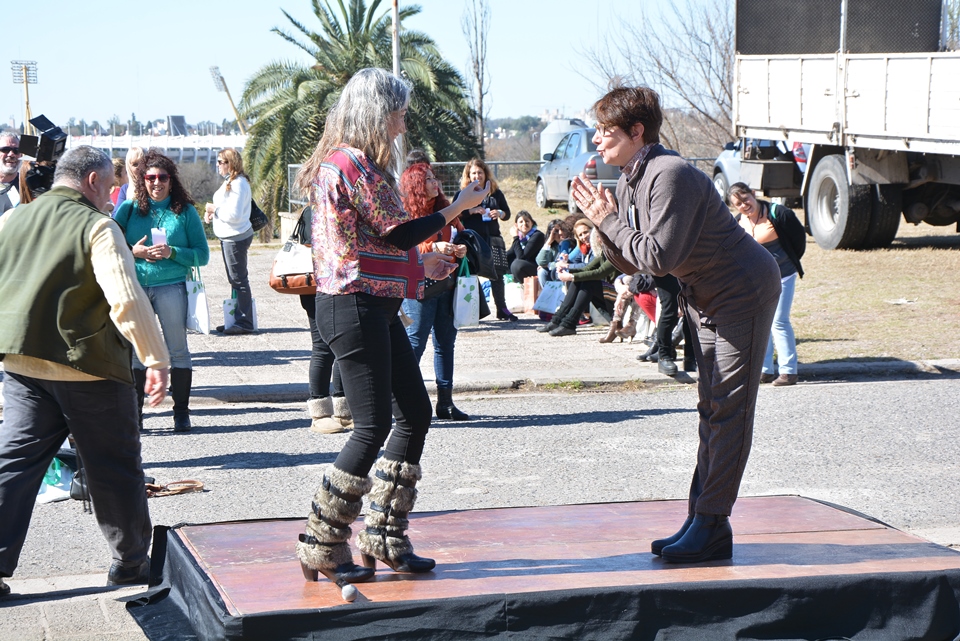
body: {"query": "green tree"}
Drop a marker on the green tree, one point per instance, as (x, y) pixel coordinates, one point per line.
(287, 101)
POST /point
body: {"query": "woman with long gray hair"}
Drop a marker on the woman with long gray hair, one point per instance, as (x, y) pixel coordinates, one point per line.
(366, 260)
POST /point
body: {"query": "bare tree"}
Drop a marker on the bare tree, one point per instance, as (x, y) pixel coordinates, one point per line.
(951, 41)
(476, 28)
(686, 54)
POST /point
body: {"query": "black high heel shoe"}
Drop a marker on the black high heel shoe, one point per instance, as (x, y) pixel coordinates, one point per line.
(343, 573)
(408, 562)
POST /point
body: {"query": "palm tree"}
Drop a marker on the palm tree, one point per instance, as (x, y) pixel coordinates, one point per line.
(288, 101)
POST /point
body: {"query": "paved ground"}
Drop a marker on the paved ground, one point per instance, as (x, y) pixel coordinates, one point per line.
(58, 593)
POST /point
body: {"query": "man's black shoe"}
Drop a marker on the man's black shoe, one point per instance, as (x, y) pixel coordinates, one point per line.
(137, 575)
(4, 588)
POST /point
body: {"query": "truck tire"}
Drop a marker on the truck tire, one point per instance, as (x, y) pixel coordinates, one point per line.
(541, 195)
(722, 184)
(886, 205)
(838, 214)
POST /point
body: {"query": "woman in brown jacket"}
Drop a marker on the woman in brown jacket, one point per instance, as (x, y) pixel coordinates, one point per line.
(667, 218)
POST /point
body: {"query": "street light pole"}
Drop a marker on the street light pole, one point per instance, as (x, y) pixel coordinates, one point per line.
(221, 85)
(25, 71)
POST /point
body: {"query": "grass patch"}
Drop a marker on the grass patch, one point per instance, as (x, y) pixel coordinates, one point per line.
(900, 303)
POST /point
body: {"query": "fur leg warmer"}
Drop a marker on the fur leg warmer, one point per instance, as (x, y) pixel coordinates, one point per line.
(392, 498)
(336, 505)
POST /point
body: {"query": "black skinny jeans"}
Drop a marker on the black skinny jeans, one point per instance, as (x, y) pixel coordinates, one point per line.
(381, 378)
(322, 362)
(577, 300)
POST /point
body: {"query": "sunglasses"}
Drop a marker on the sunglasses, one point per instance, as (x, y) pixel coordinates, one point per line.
(221, 162)
(9, 150)
(152, 178)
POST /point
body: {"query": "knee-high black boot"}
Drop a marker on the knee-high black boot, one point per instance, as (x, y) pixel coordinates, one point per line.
(139, 383)
(181, 380)
(446, 408)
(392, 498)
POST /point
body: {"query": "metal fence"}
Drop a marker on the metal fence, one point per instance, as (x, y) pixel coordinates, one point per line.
(450, 173)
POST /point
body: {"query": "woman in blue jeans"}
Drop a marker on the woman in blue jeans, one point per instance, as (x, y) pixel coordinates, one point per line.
(421, 195)
(164, 231)
(780, 231)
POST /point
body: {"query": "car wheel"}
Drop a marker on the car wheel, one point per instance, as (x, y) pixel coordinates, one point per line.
(838, 214)
(571, 202)
(722, 184)
(541, 196)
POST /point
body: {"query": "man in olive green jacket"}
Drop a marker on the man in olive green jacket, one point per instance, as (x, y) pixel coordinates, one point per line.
(72, 308)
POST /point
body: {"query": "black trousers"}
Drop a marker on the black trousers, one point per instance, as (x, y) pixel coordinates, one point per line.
(102, 417)
(521, 269)
(668, 291)
(323, 365)
(577, 300)
(381, 379)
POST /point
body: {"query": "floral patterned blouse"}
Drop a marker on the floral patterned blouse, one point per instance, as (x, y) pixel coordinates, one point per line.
(354, 207)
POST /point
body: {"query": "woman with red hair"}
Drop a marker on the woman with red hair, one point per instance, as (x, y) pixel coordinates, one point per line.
(421, 195)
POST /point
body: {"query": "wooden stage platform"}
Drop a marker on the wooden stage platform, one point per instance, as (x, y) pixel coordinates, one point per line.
(575, 571)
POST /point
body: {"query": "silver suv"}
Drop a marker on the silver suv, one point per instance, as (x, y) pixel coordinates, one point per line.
(574, 154)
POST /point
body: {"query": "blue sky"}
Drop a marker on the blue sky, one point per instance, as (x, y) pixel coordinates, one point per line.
(152, 59)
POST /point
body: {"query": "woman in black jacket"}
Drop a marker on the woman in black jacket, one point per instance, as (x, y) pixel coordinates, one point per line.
(527, 243)
(781, 233)
(485, 220)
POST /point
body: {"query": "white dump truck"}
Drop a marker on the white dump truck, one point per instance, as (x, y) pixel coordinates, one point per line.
(866, 88)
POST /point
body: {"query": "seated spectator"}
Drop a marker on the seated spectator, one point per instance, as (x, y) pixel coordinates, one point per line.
(584, 286)
(527, 242)
(559, 243)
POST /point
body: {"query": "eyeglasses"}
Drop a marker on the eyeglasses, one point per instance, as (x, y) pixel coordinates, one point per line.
(605, 130)
(10, 150)
(152, 178)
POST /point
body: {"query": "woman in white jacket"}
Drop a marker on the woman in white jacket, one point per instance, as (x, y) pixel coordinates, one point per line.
(230, 214)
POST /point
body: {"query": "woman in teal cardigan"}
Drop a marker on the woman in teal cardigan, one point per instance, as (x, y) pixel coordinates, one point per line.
(164, 231)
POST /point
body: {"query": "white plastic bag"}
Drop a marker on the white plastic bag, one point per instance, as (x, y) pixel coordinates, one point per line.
(550, 298)
(230, 313)
(198, 310)
(466, 299)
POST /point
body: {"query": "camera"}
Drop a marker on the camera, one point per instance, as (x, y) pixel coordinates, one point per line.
(46, 149)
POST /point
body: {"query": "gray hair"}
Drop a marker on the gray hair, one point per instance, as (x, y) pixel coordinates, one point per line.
(9, 135)
(79, 162)
(359, 119)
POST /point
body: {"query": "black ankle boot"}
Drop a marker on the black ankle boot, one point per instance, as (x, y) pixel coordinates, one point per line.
(139, 383)
(181, 380)
(445, 407)
(709, 538)
(654, 349)
(657, 546)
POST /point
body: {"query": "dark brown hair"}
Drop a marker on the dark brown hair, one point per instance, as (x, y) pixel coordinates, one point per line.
(179, 198)
(624, 107)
